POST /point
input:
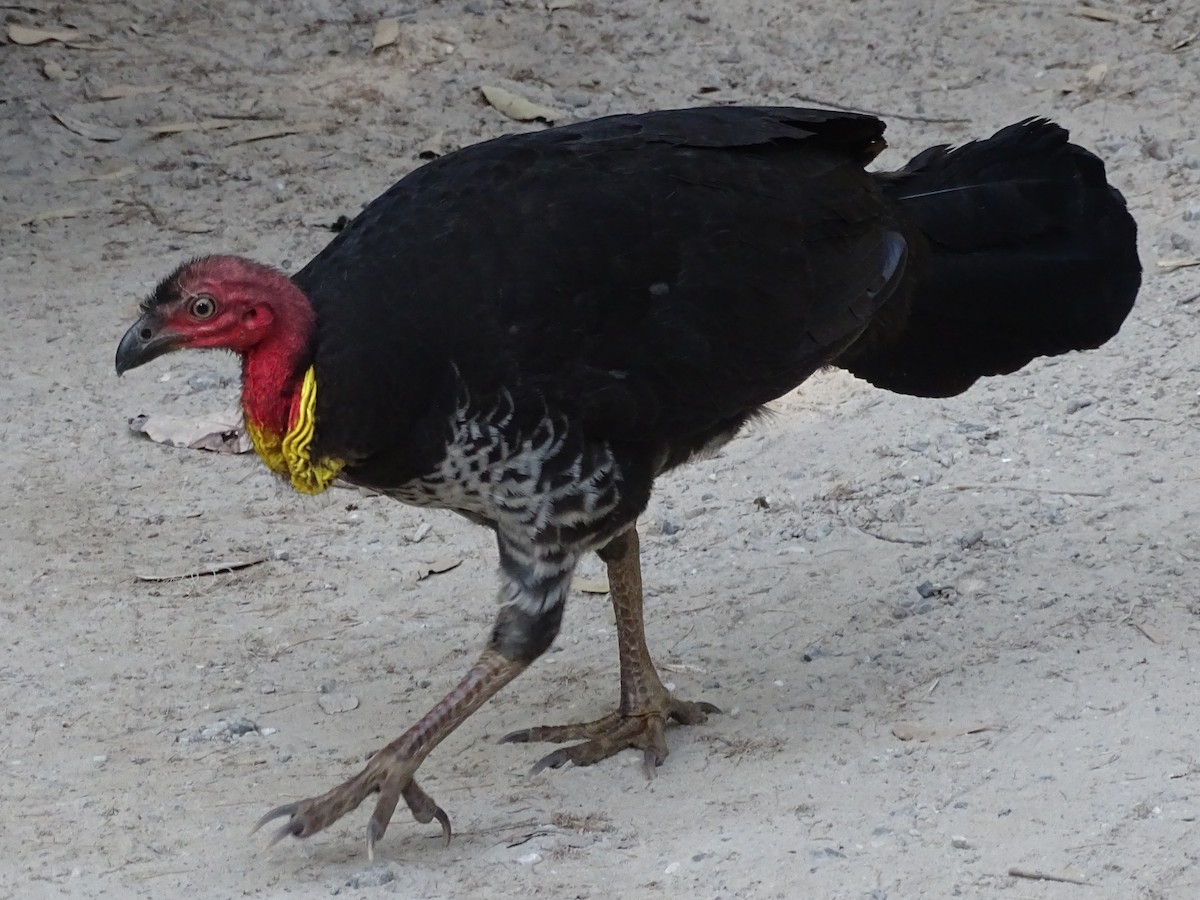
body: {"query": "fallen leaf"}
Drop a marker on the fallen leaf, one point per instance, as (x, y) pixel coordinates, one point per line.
(337, 703)
(1103, 15)
(517, 107)
(590, 585)
(1185, 41)
(219, 568)
(387, 32)
(27, 37)
(121, 91)
(89, 130)
(437, 567)
(909, 731)
(433, 147)
(1171, 264)
(267, 132)
(220, 433)
(55, 72)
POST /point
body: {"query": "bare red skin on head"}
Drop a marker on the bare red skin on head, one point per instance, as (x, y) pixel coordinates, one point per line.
(262, 316)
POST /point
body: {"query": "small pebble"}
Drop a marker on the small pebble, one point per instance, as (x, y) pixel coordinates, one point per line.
(332, 703)
(376, 876)
(958, 842)
(241, 725)
(100, 759)
(671, 869)
(530, 859)
(971, 540)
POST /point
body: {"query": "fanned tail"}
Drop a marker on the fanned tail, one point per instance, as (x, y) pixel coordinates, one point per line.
(1028, 251)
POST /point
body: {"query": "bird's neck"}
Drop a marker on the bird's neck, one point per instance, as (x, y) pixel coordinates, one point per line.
(273, 370)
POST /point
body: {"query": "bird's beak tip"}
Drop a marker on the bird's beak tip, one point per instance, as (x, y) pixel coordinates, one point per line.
(143, 342)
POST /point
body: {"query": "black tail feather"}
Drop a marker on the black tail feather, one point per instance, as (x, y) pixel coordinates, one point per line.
(1028, 251)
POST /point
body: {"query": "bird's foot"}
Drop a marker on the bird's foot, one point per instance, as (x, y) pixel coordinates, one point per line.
(389, 774)
(642, 729)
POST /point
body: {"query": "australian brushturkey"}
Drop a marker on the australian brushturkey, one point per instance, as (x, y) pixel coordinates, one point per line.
(530, 330)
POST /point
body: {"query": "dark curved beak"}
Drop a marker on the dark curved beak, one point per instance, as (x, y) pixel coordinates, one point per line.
(145, 340)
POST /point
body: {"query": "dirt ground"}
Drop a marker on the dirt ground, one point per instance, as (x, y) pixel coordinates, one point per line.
(957, 642)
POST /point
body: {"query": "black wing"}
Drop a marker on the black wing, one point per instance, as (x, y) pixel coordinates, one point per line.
(659, 276)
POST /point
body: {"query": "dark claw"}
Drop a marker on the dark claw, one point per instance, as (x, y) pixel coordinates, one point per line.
(650, 763)
(555, 760)
(708, 707)
(374, 833)
(293, 828)
(517, 737)
(444, 821)
(424, 810)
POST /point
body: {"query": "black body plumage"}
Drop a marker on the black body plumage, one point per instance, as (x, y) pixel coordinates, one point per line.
(531, 329)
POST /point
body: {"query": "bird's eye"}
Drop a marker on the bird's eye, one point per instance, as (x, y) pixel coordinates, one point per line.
(203, 307)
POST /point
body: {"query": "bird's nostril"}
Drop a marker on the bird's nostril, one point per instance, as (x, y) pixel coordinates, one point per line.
(145, 334)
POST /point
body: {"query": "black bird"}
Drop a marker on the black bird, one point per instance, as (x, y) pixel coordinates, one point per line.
(529, 331)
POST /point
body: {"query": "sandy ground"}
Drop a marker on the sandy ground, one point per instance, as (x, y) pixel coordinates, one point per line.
(1008, 579)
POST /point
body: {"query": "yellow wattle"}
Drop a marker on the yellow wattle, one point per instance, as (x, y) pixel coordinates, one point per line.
(291, 454)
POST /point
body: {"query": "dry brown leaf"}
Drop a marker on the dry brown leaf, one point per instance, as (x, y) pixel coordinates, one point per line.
(437, 567)
(517, 107)
(267, 132)
(910, 731)
(121, 91)
(1170, 265)
(89, 130)
(590, 585)
(220, 433)
(387, 32)
(209, 569)
(1103, 15)
(27, 37)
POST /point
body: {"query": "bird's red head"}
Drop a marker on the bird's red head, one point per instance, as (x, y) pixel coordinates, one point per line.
(231, 303)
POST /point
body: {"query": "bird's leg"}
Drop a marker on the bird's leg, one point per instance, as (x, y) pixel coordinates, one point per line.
(646, 705)
(519, 636)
